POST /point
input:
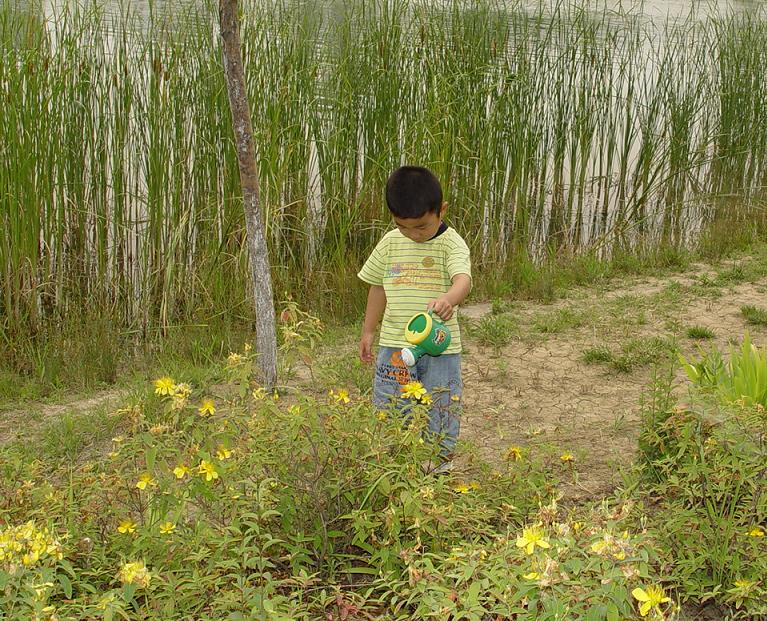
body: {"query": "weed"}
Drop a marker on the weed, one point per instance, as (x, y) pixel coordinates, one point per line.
(707, 465)
(500, 306)
(754, 315)
(642, 352)
(560, 320)
(495, 330)
(700, 332)
(598, 355)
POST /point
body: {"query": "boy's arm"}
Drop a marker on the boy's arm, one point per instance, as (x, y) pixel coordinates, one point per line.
(444, 304)
(373, 313)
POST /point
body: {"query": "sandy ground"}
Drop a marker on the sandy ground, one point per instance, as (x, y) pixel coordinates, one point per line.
(543, 394)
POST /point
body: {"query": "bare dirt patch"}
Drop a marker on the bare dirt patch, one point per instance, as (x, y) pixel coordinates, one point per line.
(541, 394)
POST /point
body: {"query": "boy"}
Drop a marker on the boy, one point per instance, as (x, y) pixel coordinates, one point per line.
(421, 265)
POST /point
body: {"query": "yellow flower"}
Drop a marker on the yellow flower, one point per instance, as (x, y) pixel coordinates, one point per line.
(600, 546)
(105, 601)
(425, 399)
(514, 454)
(413, 390)
(167, 528)
(462, 488)
(164, 386)
(294, 410)
(342, 396)
(27, 544)
(455, 398)
(382, 415)
(247, 348)
(223, 453)
(756, 532)
(145, 480)
(207, 407)
(566, 456)
(208, 469)
(127, 526)
(532, 537)
(533, 575)
(234, 359)
(259, 394)
(744, 585)
(134, 573)
(180, 471)
(275, 396)
(650, 599)
(180, 394)
(182, 390)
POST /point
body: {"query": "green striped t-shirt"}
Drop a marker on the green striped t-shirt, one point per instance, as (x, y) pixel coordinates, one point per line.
(412, 275)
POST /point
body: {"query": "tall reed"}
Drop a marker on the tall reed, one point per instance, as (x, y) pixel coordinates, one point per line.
(551, 128)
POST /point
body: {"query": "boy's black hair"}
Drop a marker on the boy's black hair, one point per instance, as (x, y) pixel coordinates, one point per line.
(412, 191)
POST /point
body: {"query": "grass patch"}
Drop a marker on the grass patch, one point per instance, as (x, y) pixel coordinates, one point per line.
(700, 332)
(633, 354)
(70, 435)
(560, 320)
(642, 352)
(598, 355)
(754, 315)
(495, 330)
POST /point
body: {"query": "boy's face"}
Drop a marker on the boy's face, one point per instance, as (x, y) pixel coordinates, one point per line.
(421, 229)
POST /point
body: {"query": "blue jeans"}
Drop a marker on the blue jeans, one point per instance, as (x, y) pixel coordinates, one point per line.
(439, 375)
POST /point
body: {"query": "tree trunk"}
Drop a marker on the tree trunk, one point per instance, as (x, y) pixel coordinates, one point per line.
(266, 334)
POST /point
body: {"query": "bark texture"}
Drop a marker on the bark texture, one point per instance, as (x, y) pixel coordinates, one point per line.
(266, 333)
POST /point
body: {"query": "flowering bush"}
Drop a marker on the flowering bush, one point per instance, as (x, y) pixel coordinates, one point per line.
(259, 507)
(705, 465)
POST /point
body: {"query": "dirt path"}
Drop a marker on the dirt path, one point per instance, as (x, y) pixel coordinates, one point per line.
(19, 423)
(539, 393)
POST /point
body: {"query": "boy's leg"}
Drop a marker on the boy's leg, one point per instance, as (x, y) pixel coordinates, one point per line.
(441, 377)
(391, 374)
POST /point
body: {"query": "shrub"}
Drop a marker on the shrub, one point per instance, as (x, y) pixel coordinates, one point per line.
(706, 463)
(248, 505)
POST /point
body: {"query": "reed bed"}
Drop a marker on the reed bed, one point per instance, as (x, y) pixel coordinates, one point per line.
(552, 129)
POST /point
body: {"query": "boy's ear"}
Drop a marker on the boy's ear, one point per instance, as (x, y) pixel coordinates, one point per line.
(442, 209)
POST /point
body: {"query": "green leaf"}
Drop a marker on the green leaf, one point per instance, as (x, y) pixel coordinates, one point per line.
(472, 595)
(384, 486)
(370, 571)
(129, 591)
(150, 456)
(66, 584)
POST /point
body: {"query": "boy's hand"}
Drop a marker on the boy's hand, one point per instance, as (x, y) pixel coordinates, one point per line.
(442, 307)
(366, 347)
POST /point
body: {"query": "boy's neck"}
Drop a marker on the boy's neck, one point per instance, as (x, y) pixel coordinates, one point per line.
(442, 228)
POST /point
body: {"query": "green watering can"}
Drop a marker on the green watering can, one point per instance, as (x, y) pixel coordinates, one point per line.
(427, 335)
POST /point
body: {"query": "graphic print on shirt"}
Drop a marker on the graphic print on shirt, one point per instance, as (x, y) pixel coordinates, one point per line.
(422, 274)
